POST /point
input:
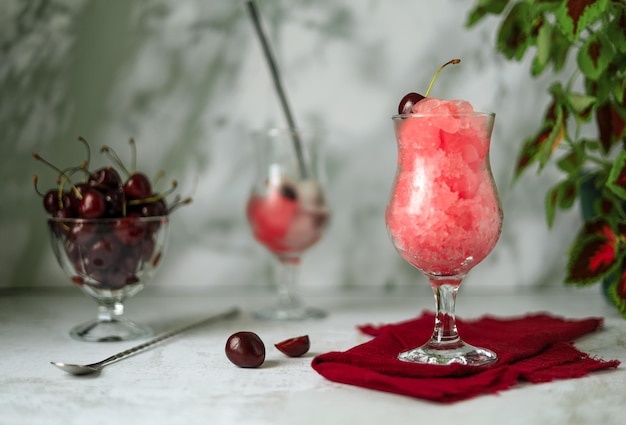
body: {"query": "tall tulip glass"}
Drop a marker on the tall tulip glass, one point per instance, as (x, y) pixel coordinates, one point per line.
(287, 211)
(444, 217)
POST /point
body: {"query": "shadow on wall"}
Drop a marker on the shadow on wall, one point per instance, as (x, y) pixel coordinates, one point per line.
(187, 80)
(160, 72)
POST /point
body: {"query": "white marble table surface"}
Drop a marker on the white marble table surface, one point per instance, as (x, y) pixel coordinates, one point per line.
(188, 380)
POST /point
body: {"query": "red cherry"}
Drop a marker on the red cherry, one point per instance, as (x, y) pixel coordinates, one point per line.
(154, 209)
(51, 201)
(105, 177)
(408, 101)
(411, 99)
(245, 349)
(83, 231)
(104, 252)
(294, 347)
(123, 272)
(64, 213)
(147, 249)
(129, 230)
(92, 205)
(138, 187)
(115, 201)
(72, 198)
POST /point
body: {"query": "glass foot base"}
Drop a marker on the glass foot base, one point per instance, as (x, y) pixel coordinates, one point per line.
(461, 353)
(289, 313)
(110, 331)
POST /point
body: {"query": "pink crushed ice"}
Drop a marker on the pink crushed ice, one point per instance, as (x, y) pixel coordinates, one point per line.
(444, 214)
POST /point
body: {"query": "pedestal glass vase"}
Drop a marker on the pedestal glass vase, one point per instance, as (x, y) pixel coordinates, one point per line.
(287, 211)
(444, 217)
(110, 260)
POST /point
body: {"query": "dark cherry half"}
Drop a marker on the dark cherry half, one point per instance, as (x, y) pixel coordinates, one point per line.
(294, 347)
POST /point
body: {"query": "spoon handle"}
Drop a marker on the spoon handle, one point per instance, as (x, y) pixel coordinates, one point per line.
(232, 312)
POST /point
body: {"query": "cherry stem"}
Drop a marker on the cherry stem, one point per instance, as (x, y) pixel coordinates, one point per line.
(158, 176)
(62, 173)
(156, 197)
(453, 61)
(179, 203)
(35, 182)
(83, 141)
(133, 155)
(115, 158)
(67, 173)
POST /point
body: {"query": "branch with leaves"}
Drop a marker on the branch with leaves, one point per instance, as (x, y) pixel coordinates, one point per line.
(594, 32)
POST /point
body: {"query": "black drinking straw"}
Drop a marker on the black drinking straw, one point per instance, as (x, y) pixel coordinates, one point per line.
(256, 20)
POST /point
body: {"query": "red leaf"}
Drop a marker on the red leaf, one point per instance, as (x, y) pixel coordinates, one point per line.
(618, 126)
(594, 52)
(595, 259)
(595, 253)
(621, 286)
(605, 125)
(617, 290)
(575, 9)
(620, 179)
(551, 115)
(600, 228)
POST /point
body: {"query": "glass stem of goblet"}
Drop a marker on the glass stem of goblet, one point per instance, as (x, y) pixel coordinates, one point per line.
(109, 311)
(287, 275)
(445, 332)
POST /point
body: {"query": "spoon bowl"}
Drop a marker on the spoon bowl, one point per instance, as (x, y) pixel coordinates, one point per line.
(79, 369)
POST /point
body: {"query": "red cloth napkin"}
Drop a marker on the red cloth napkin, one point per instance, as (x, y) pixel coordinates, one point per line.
(534, 348)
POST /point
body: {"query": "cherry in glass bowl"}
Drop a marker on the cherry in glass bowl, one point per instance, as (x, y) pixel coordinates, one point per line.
(110, 259)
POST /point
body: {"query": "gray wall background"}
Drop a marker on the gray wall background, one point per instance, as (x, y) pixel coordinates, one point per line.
(188, 81)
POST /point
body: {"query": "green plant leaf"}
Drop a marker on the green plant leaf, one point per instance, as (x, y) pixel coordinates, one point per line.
(544, 49)
(618, 123)
(540, 147)
(594, 254)
(483, 8)
(568, 192)
(542, 6)
(555, 126)
(595, 55)
(572, 162)
(611, 125)
(617, 30)
(619, 91)
(559, 49)
(600, 89)
(513, 35)
(617, 176)
(562, 196)
(581, 105)
(575, 15)
(617, 290)
(552, 200)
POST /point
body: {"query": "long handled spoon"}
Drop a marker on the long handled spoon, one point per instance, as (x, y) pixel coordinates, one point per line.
(77, 369)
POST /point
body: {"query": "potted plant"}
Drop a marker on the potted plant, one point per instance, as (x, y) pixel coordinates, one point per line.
(592, 97)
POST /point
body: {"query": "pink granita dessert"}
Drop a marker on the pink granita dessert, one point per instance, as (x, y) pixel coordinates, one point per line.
(444, 214)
